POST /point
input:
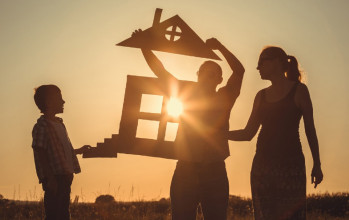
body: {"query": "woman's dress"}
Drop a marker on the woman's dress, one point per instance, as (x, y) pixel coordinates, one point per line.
(278, 178)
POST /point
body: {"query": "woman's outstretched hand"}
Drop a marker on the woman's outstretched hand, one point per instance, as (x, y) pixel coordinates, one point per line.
(316, 175)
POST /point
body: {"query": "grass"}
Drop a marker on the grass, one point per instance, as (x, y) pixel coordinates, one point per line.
(320, 206)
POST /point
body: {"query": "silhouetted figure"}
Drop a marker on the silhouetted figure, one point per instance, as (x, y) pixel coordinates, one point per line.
(200, 175)
(55, 158)
(278, 178)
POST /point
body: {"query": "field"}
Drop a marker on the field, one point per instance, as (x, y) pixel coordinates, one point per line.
(320, 206)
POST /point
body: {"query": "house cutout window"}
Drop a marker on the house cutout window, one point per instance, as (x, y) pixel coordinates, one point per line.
(147, 129)
(151, 103)
(171, 131)
(173, 33)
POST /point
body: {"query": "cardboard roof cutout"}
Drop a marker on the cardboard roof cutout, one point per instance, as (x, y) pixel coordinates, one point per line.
(172, 35)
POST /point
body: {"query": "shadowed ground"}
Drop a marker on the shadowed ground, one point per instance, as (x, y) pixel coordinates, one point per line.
(320, 206)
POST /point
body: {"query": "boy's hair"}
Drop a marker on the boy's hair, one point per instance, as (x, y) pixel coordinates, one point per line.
(43, 93)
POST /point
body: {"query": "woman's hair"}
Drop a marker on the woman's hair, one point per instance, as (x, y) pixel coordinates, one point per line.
(290, 63)
(43, 93)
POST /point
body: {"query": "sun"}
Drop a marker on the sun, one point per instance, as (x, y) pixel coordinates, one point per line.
(174, 107)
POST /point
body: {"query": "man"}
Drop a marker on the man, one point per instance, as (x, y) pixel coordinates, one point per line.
(200, 176)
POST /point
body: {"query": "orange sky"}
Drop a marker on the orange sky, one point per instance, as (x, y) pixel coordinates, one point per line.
(71, 44)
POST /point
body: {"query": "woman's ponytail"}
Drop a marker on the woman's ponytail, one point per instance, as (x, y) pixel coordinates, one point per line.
(289, 63)
(293, 72)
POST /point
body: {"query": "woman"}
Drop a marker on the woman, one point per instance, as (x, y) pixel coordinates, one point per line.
(278, 178)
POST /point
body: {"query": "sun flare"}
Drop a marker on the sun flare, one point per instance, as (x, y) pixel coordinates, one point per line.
(174, 107)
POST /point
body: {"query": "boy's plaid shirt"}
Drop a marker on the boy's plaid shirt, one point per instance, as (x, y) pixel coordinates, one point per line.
(46, 138)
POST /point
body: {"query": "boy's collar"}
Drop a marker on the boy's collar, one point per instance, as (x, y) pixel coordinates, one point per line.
(42, 118)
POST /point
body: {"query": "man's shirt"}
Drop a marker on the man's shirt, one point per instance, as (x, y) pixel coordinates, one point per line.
(203, 125)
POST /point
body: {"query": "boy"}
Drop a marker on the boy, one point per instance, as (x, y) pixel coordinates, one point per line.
(55, 158)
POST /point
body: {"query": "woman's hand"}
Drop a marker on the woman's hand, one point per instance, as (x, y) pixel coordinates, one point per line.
(316, 175)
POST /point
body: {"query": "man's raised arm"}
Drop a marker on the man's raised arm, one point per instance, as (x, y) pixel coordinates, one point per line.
(155, 64)
(235, 80)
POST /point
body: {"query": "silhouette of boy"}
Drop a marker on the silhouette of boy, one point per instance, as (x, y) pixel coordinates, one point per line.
(55, 158)
(200, 176)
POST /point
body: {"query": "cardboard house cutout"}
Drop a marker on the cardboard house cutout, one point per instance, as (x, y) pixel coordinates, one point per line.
(126, 141)
(172, 35)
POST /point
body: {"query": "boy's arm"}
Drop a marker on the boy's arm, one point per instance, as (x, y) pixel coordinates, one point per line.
(49, 182)
(82, 149)
(39, 145)
(235, 80)
(44, 163)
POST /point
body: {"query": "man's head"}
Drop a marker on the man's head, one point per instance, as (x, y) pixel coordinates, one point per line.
(210, 74)
(48, 98)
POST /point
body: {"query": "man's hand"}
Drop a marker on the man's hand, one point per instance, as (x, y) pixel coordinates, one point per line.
(136, 32)
(213, 43)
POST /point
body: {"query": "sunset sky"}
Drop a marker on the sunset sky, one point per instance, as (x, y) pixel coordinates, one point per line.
(71, 43)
